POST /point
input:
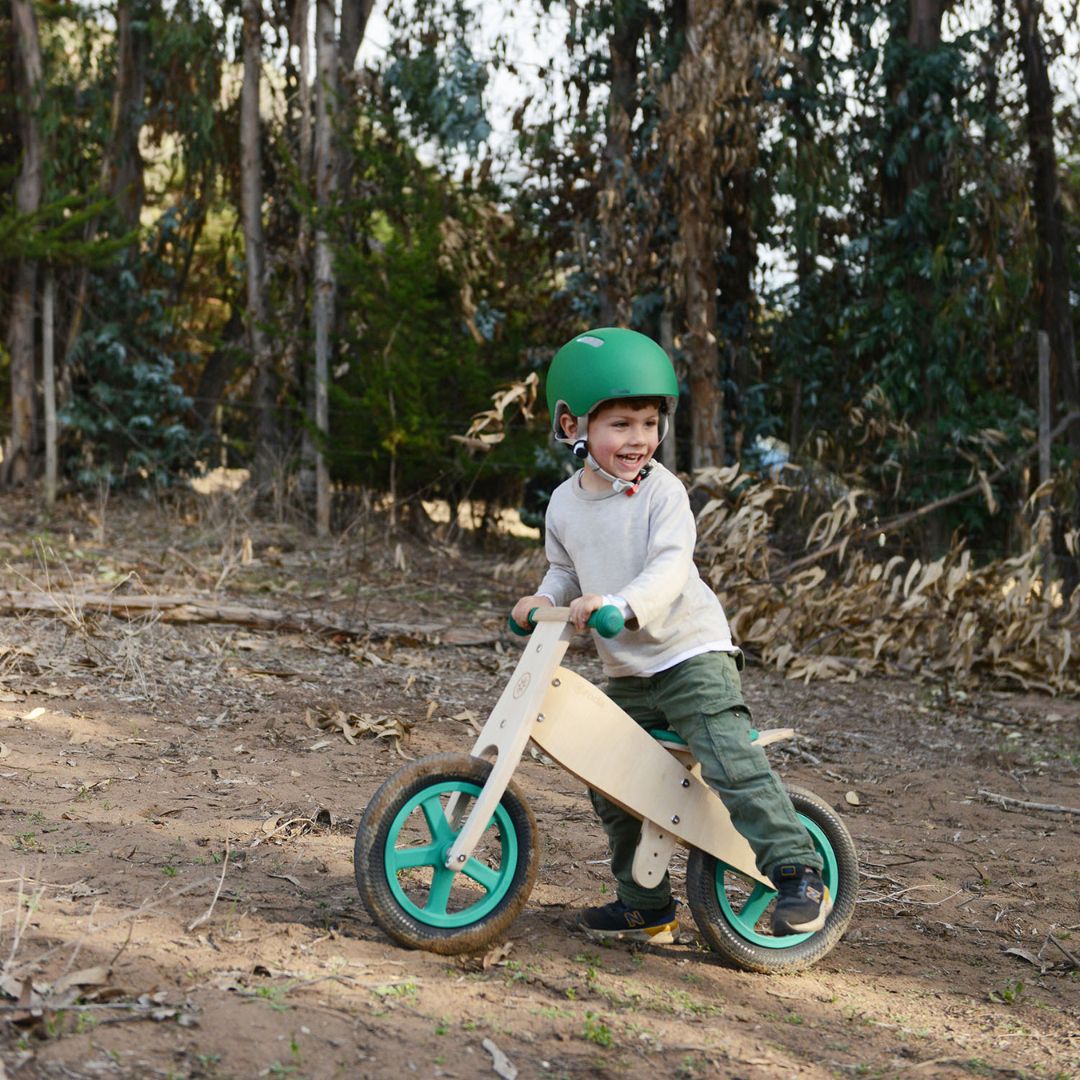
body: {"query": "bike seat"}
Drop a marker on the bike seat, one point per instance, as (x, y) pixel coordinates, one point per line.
(666, 735)
(673, 738)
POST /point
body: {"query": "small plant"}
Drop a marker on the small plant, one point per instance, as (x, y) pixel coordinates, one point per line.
(169, 870)
(274, 996)
(596, 1031)
(396, 990)
(1010, 994)
(690, 1067)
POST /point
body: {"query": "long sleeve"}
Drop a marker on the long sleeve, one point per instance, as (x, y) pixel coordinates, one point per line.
(561, 580)
(669, 560)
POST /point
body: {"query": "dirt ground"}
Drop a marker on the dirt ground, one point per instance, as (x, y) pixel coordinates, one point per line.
(178, 804)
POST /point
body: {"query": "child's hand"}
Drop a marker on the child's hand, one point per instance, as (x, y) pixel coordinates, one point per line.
(520, 614)
(583, 607)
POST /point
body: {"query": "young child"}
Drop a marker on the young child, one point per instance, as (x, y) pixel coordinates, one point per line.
(620, 531)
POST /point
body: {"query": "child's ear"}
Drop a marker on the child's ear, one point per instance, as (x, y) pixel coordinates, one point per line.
(568, 423)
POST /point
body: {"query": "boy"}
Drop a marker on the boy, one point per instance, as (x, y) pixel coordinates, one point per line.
(620, 531)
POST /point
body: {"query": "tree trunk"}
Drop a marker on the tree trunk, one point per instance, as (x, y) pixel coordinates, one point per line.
(48, 379)
(1052, 266)
(326, 59)
(922, 32)
(16, 466)
(354, 20)
(695, 98)
(615, 213)
(254, 246)
(300, 372)
(700, 346)
(735, 286)
(124, 181)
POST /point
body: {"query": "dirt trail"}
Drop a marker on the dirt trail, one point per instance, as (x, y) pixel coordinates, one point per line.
(178, 805)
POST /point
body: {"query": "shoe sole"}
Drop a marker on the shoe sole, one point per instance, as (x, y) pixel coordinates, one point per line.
(654, 935)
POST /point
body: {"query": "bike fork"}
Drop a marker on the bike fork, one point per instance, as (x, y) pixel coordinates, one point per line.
(507, 732)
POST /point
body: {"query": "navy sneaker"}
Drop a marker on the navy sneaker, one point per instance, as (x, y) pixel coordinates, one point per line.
(617, 922)
(803, 904)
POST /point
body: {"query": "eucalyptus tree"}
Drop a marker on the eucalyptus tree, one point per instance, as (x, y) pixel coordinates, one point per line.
(16, 467)
(251, 199)
(1052, 260)
(323, 280)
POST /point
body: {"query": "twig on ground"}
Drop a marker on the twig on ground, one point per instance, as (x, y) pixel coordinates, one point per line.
(217, 892)
(127, 942)
(899, 896)
(1005, 802)
(1072, 959)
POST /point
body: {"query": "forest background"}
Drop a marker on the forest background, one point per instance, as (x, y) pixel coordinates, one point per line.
(249, 234)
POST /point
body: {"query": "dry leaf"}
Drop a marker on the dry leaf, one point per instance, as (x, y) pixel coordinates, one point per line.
(496, 955)
(852, 798)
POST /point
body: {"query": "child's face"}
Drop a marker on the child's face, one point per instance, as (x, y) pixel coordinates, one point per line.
(623, 437)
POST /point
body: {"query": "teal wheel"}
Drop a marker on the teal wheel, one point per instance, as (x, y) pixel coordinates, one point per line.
(401, 846)
(733, 912)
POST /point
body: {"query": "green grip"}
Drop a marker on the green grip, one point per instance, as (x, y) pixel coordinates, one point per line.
(607, 621)
(515, 627)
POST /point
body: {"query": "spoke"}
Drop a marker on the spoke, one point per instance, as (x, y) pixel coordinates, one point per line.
(441, 883)
(428, 855)
(435, 817)
(483, 875)
(755, 905)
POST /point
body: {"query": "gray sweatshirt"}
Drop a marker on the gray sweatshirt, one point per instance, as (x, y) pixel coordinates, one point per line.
(639, 547)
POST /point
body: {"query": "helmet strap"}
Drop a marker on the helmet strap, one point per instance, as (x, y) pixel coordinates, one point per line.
(618, 484)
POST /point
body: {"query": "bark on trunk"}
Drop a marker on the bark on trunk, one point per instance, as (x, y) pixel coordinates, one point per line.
(326, 58)
(16, 466)
(254, 247)
(617, 262)
(1052, 267)
(696, 117)
(125, 179)
(48, 379)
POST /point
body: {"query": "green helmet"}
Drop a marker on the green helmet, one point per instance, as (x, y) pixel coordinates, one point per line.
(605, 364)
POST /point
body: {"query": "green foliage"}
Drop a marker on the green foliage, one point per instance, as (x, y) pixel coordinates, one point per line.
(125, 416)
(434, 76)
(912, 248)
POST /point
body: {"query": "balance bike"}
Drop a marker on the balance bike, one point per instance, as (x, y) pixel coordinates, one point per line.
(446, 852)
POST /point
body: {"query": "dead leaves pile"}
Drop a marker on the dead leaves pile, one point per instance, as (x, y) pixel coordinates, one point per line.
(947, 618)
(354, 726)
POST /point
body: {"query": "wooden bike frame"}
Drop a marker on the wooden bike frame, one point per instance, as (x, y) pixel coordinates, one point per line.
(589, 736)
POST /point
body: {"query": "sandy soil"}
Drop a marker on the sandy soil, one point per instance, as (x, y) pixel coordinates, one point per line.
(177, 811)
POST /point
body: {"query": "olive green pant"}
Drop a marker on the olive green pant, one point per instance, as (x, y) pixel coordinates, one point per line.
(701, 699)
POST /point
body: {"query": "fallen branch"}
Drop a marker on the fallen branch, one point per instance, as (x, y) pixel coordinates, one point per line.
(1005, 801)
(195, 609)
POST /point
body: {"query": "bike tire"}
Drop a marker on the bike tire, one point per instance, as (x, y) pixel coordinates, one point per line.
(401, 843)
(732, 911)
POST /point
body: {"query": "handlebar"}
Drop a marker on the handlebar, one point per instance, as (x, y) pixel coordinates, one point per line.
(607, 621)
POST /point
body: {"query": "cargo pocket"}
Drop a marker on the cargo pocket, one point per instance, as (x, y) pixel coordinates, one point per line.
(726, 729)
